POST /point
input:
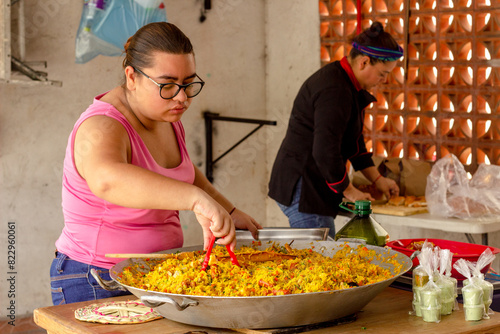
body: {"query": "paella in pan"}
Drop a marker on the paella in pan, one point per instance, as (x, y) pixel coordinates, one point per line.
(263, 311)
(278, 270)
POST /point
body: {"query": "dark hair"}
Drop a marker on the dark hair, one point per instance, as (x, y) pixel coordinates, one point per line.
(374, 36)
(153, 37)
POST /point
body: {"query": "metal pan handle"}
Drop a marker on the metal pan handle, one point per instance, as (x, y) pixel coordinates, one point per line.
(414, 255)
(105, 284)
(156, 301)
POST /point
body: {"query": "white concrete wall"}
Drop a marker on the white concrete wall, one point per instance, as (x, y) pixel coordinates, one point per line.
(253, 56)
(292, 56)
(34, 125)
(230, 57)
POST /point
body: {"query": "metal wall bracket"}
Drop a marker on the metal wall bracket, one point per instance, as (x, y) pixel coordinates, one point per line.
(24, 68)
(209, 119)
(15, 70)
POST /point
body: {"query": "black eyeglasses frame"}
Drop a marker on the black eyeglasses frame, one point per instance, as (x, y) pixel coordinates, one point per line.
(176, 84)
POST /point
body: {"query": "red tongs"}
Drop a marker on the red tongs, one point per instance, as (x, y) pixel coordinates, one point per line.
(234, 260)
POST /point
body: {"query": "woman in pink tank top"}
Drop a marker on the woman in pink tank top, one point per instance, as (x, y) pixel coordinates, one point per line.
(127, 172)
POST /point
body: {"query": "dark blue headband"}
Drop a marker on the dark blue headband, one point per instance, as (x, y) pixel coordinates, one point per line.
(379, 53)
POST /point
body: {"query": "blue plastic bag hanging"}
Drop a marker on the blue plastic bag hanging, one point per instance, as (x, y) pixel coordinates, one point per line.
(106, 25)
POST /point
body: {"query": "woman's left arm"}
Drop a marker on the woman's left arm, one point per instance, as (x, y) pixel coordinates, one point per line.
(241, 220)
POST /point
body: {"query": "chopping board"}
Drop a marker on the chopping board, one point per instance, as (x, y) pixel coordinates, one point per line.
(397, 210)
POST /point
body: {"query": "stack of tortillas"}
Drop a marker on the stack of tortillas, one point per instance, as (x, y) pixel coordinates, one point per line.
(122, 312)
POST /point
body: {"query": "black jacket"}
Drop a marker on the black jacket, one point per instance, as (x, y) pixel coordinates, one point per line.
(324, 131)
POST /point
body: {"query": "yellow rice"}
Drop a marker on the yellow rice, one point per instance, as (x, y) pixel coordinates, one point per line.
(310, 271)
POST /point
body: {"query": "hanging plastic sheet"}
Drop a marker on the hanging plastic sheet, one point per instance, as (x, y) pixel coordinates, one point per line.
(106, 25)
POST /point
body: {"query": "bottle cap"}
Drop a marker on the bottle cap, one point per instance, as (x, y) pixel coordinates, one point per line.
(363, 207)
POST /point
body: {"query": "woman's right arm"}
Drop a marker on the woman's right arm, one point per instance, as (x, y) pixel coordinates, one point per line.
(102, 154)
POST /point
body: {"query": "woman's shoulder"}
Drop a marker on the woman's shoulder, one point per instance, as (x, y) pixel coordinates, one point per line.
(102, 105)
(333, 67)
(330, 75)
(101, 115)
(112, 96)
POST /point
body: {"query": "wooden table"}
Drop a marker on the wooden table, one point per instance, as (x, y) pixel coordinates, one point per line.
(426, 220)
(387, 313)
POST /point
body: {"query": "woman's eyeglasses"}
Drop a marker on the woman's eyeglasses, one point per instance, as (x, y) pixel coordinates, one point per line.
(170, 90)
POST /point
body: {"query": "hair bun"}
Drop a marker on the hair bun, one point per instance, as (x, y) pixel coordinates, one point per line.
(127, 44)
(376, 28)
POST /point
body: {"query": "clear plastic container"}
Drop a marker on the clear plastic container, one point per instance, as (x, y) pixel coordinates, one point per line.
(431, 314)
(473, 312)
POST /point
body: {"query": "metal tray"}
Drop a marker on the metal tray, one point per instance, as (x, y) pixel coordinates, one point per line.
(285, 234)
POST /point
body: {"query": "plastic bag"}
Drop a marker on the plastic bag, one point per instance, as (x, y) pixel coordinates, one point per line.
(430, 293)
(477, 293)
(447, 284)
(485, 259)
(420, 278)
(106, 25)
(434, 290)
(449, 193)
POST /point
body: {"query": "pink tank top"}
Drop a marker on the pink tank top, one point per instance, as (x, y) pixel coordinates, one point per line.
(94, 227)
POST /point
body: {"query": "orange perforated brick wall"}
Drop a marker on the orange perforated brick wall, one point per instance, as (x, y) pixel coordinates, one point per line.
(444, 94)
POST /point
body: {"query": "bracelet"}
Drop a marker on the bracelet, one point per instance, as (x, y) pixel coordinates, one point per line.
(232, 210)
(378, 177)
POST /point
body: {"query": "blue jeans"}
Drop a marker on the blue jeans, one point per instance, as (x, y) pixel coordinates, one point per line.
(71, 281)
(300, 219)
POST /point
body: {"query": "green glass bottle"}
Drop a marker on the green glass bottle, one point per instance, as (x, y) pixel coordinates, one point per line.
(362, 225)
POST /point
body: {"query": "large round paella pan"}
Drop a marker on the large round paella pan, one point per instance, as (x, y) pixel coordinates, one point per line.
(266, 311)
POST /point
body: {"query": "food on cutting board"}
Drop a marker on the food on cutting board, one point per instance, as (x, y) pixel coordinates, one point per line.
(396, 201)
(408, 201)
(289, 271)
(415, 201)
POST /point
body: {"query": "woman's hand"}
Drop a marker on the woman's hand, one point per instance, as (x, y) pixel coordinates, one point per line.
(387, 186)
(353, 194)
(214, 219)
(245, 222)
